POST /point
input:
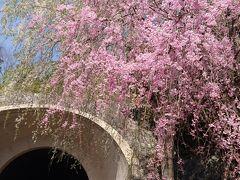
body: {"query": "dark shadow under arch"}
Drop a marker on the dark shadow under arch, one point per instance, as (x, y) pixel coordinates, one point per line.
(39, 164)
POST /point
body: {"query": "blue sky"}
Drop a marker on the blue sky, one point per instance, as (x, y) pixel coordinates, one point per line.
(6, 46)
(5, 41)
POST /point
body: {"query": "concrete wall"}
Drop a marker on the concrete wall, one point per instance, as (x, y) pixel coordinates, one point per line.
(100, 149)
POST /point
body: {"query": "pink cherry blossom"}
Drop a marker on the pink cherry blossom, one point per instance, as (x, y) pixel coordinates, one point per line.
(175, 58)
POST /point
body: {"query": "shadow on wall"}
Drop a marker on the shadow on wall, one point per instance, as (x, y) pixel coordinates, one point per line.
(188, 165)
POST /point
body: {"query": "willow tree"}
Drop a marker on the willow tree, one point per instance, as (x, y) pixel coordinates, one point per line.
(171, 65)
(35, 54)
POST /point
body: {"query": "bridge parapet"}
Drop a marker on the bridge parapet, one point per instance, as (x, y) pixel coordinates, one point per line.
(25, 98)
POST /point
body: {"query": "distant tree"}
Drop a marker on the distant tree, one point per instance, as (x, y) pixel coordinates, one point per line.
(1, 59)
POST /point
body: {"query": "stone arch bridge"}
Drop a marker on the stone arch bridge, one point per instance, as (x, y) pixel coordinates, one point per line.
(114, 160)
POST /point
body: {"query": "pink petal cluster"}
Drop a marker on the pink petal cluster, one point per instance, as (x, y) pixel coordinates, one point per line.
(178, 52)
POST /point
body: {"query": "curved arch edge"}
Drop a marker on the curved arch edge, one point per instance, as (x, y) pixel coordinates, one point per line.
(119, 140)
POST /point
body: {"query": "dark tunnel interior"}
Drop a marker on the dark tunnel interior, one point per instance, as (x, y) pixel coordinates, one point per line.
(37, 164)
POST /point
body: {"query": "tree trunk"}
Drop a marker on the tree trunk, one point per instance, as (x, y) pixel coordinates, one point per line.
(167, 164)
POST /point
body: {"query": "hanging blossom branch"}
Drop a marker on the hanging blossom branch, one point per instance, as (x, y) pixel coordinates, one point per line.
(173, 62)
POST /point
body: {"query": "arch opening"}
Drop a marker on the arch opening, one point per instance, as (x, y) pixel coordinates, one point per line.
(40, 164)
(109, 159)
